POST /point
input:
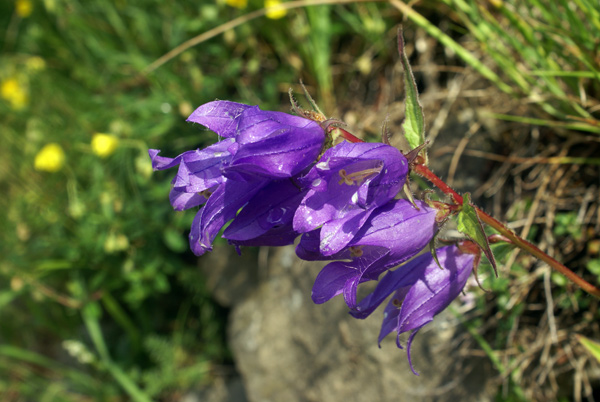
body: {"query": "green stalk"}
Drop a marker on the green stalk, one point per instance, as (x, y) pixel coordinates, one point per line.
(91, 313)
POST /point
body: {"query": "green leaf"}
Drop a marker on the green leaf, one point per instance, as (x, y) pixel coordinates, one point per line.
(592, 346)
(470, 225)
(414, 124)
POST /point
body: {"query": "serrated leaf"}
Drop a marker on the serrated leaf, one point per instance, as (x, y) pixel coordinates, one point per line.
(470, 225)
(592, 346)
(414, 123)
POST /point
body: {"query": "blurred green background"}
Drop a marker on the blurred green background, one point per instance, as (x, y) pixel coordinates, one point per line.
(100, 298)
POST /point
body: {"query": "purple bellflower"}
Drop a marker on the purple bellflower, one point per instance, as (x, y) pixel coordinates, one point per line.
(260, 147)
(272, 145)
(266, 179)
(345, 187)
(421, 290)
(393, 234)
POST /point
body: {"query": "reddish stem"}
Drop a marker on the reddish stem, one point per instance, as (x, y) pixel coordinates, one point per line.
(503, 230)
(347, 135)
(424, 171)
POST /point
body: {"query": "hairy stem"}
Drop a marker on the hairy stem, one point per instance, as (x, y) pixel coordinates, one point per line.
(503, 230)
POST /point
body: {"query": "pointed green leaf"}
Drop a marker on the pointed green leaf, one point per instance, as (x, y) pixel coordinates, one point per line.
(414, 124)
(592, 346)
(470, 225)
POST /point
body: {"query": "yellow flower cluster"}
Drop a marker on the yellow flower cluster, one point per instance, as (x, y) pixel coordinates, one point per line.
(23, 8)
(104, 144)
(51, 158)
(15, 93)
(274, 9)
(237, 3)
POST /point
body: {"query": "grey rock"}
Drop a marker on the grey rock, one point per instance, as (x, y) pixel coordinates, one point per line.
(289, 349)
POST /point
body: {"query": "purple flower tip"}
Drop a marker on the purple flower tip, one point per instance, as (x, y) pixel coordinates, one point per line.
(421, 290)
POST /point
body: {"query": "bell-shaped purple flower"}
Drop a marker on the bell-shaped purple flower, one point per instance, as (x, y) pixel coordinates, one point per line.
(421, 290)
(260, 148)
(393, 234)
(272, 145)
(346, 186)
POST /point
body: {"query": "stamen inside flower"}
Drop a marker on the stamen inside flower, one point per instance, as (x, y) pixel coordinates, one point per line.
(205, 193)
(357, 177)
(356, 251)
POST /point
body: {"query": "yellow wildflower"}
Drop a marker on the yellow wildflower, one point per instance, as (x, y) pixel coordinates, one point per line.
(274, 9)
(104, 144)
(23, 8)
(51, 158)
(237, 3)
(14, 93)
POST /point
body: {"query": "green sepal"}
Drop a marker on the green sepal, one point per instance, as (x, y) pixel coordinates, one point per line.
(470, 225)
(409, 195)
(434, 252)
(414, 123)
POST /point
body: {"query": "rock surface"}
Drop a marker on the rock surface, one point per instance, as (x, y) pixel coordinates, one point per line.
(288, 349)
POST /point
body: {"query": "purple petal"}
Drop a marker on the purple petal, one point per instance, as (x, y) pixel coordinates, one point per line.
(344, 276)
(286, 153)
(201, 169)
(431, 293)
(436, 288)
(335, 235)
(331, 281)
(275, 237)
(255, 125)
(271, 207)
(345, 187)
(391, 313)
(393, 234)
(220, 208)
(405, 275)
(219, 116)
(161, 162)
(182, 200)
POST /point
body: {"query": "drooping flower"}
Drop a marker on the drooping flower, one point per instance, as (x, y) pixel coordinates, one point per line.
(260, 149)
(421, 291)
(51, 158)
(393, 234)
(346, 186)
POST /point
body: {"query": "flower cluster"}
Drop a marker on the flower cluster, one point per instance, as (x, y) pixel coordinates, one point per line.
(274, 177)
